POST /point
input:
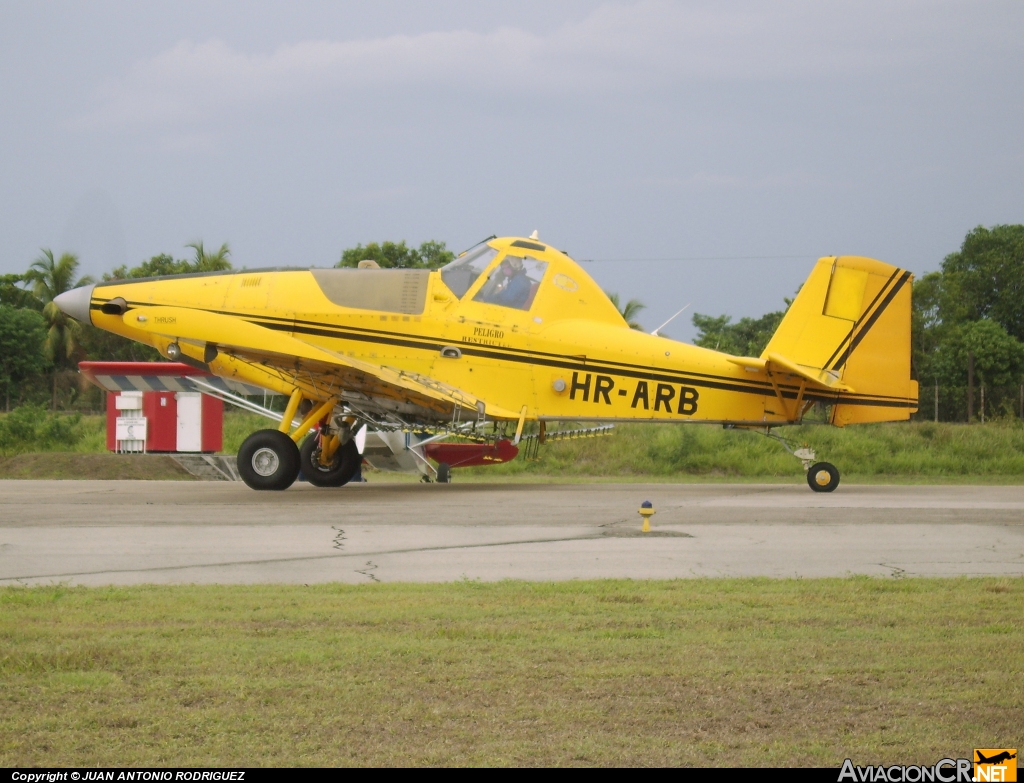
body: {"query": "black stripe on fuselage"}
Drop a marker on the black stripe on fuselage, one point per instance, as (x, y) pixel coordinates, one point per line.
(641, 372)
(398, 339)
(610, 367)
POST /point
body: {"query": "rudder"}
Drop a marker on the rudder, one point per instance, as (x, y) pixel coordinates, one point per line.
(851, 322)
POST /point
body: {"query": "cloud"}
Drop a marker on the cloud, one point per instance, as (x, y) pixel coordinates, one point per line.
(617, 48)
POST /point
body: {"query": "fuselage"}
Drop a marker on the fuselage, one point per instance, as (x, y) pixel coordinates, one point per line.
(564, 352)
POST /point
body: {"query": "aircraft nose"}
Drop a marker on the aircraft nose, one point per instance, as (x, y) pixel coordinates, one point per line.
(76, 303)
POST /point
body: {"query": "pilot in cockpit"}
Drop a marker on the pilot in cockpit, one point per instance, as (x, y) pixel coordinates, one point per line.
(513, 287)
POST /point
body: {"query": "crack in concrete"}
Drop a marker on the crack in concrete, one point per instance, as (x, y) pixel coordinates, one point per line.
(301, 558)
(371, 566)
(338, 542)
(897, 572)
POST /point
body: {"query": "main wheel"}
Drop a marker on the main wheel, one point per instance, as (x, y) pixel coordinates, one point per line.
(343, 467)
(823, 477)
(444, 473)
(268, 459)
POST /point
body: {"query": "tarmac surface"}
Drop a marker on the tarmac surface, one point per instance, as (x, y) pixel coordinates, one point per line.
(128, 532)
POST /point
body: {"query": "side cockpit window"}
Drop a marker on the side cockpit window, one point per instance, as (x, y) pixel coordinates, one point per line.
(461, 273)
(513, 283)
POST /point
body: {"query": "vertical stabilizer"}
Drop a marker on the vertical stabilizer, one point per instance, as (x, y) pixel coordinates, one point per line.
(850, 324)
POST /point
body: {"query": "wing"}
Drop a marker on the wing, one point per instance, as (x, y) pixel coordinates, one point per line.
(264, 347)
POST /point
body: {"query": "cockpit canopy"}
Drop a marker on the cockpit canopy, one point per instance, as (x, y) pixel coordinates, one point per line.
(524, 274)
(461, 273)
(511, 283)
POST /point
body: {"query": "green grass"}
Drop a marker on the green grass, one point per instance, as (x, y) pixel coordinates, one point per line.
(943, 452)
(239, 425)
(59, 465)
(35, 429)
(876, 453)
(699, 672)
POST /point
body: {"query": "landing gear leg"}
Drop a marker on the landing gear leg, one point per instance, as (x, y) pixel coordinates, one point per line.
(821, 476)
(270, 459)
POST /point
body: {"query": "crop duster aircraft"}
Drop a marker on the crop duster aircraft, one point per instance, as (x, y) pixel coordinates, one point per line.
(511, 332)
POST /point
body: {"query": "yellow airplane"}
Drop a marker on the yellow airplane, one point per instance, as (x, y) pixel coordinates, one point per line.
(512, 331)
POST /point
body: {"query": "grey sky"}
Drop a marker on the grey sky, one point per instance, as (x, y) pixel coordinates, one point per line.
(619, 130)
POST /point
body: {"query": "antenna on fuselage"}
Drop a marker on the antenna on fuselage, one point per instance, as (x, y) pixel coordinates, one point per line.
(534, 235)
(670, 320)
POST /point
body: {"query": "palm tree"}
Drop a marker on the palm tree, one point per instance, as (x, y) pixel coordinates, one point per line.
(211, 262)
(50, 279)
(630, 311)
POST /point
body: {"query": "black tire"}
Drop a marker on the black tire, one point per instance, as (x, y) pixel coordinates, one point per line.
(343, 465)
(268, 459)
(823, 477)
(444, 473)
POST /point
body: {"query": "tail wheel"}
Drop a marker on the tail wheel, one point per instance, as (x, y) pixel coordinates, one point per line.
(342, 468)
(444, 473)
(268, 459)
(823, 477)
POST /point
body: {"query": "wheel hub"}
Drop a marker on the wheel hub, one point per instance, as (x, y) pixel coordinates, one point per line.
(822, 478)
(265, 461)
(317, 459)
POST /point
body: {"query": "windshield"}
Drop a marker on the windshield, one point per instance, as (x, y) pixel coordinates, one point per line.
(514, 283)
(461, 273)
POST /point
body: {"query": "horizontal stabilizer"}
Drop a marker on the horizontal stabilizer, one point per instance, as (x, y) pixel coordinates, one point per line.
(826, 378)
(775, 363)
